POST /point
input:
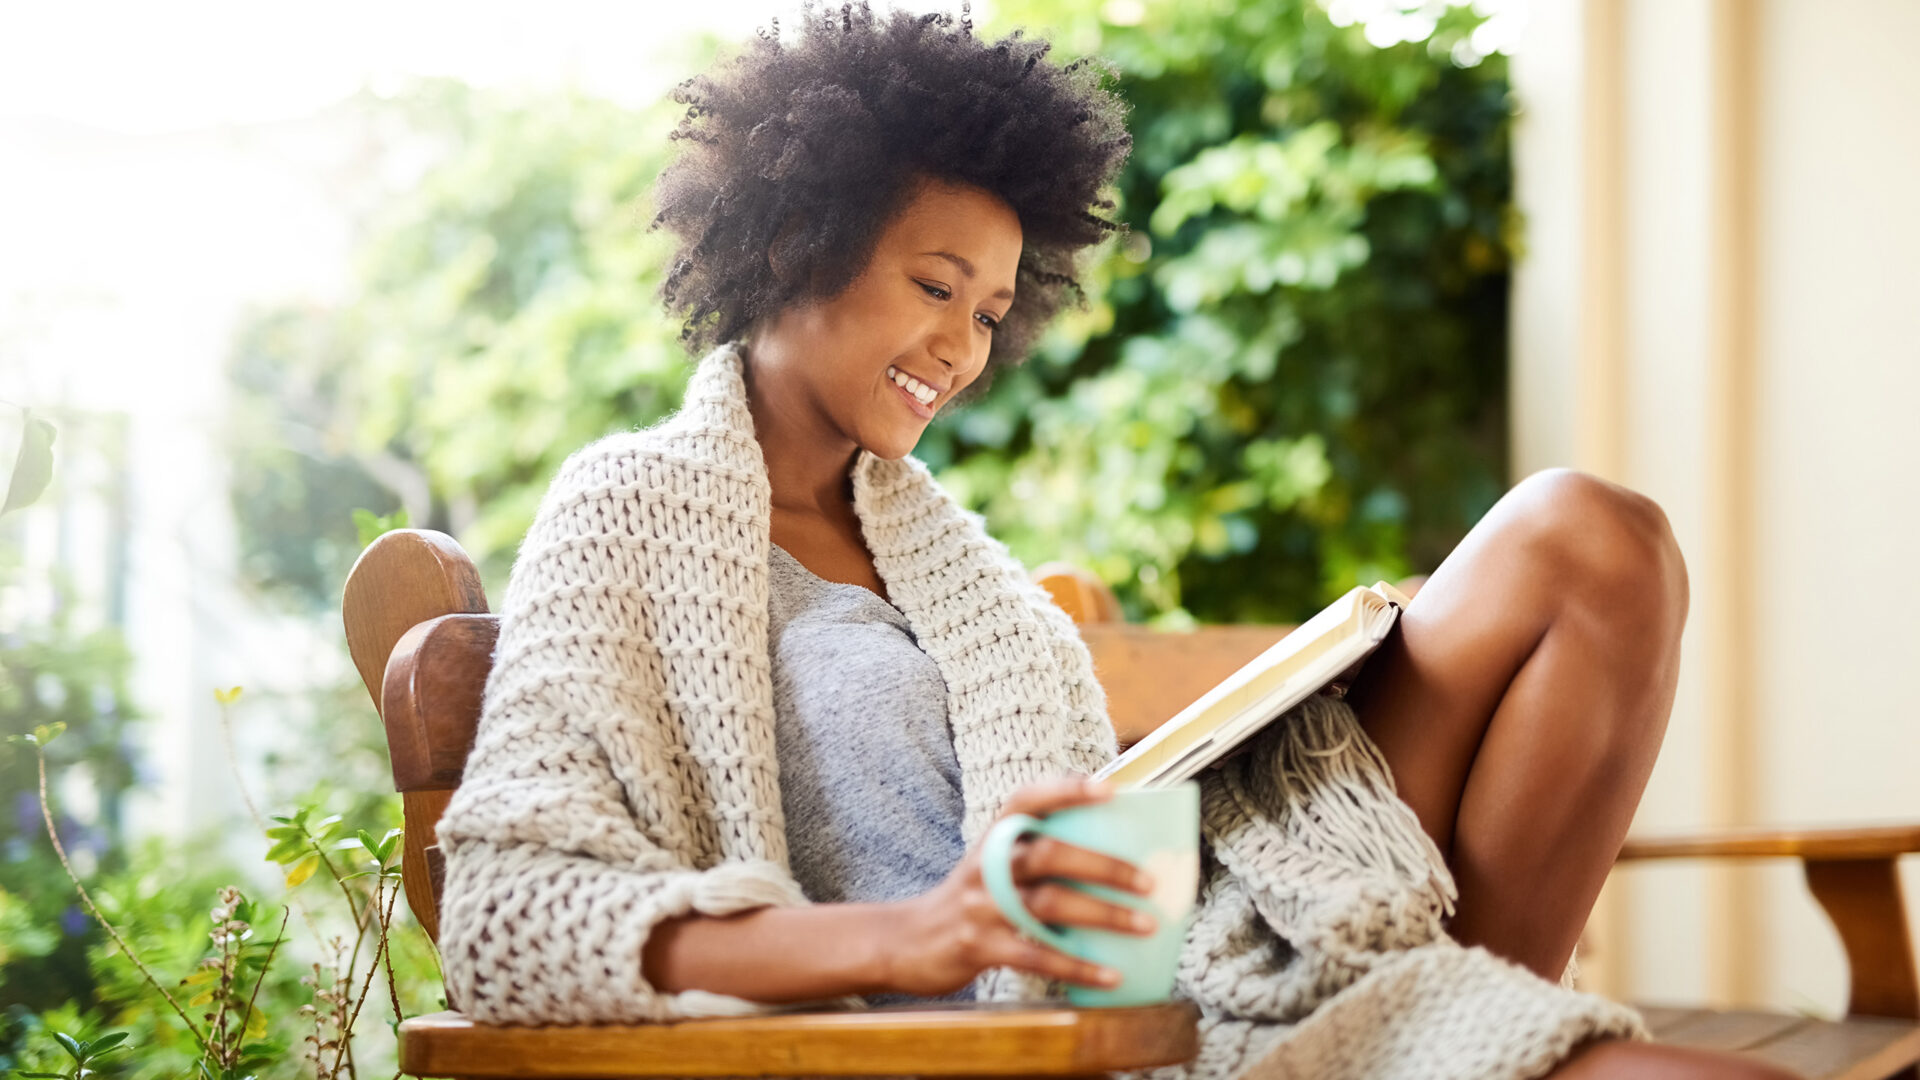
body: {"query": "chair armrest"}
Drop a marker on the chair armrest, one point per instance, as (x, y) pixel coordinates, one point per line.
(971, 1039)
(1853, 873)
(1869, 842)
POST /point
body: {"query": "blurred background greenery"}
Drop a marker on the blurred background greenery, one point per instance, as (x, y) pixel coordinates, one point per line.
(1290, 380)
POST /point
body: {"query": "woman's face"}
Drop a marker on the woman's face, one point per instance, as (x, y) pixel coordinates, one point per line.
(942, 273)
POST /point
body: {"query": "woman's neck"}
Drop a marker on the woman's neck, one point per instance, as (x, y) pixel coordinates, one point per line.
(809, 466)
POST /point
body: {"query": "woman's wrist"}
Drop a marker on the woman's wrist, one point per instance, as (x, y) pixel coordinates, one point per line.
(888, 928)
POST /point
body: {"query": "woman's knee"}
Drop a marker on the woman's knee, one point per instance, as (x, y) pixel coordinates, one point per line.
(1607, 547)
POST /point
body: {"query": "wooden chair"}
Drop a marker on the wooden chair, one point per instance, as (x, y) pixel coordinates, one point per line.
(418, 629)
(1852, 872)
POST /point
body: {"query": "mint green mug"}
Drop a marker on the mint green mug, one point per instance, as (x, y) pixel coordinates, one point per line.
(1157, 830)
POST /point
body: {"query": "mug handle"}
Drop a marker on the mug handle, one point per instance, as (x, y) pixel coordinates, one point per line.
(996, 870)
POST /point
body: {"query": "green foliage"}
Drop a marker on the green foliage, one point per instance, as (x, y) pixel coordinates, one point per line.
(63, 692)
(505, 316)
(247, 1007)
(371, 525)
(55, 677)
(211, 962)
(159, 899)
(1290, 379)
(85, 1054)
(297, 844)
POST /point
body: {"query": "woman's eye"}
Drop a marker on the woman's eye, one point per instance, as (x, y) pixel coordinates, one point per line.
(939, 293)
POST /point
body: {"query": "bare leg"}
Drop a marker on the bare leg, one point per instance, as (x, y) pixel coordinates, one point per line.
(1522, 700)
(1521, 704)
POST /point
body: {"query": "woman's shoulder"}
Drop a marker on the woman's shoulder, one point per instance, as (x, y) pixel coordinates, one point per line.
(649, 482)
(615, 454)
(647, 462)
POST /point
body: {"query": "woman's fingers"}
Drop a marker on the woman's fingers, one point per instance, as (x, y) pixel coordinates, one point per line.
(1018, 952)
(1045, 857)
(1043, 797)
(1062, 905)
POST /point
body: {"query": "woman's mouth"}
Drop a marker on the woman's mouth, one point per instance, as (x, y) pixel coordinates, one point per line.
(921, 410)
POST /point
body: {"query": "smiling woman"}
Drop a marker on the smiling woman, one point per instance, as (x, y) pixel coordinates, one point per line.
(797, 157)
(762, 687)
(872, 365)
(871, 219)
(883, 214)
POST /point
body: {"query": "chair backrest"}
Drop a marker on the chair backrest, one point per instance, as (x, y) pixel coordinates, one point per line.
(419, 633)
(418, 628)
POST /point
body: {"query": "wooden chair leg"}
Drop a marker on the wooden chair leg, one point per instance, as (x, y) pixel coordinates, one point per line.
(1862, 897)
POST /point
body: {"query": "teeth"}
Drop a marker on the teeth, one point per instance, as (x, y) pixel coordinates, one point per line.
(913, 386)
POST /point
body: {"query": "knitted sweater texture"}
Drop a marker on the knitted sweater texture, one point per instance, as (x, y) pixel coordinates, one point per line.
(624, 773)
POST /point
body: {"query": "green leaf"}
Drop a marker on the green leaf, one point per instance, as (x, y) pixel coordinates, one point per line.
(46, 733)
(43, 1076)
(372, 526)
(68, 1044)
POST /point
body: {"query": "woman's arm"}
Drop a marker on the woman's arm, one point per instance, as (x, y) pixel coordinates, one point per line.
(933, 944)
(772, 954)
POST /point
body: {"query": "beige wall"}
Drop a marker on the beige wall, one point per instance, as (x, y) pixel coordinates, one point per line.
(1721, 307)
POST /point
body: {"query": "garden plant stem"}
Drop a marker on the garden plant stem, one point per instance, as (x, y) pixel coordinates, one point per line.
(46, 812)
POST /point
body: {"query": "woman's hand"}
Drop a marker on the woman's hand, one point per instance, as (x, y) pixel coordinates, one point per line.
(950, 934)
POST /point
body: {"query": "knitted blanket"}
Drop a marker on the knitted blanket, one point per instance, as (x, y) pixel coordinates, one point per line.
(1317, 949)
(623, 773)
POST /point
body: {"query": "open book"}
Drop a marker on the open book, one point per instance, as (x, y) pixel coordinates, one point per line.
(1330, 646)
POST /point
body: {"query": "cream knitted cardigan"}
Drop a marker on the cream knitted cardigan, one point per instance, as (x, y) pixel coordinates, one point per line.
(624, 773)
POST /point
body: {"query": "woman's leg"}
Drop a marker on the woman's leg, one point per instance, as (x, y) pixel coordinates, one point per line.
(1522, 699)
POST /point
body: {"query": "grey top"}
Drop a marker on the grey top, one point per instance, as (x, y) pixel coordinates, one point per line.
(869, 781)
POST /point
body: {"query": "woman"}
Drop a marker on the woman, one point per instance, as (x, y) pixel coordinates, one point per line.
(760, 686)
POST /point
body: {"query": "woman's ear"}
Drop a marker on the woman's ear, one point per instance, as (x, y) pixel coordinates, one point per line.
(782, 258)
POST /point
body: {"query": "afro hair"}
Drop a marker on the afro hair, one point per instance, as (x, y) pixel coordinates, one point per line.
(815, 145)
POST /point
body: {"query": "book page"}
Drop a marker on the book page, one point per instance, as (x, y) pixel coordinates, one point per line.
(1306, 660)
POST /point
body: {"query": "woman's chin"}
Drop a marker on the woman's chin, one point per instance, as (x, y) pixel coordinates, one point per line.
(893, 449)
